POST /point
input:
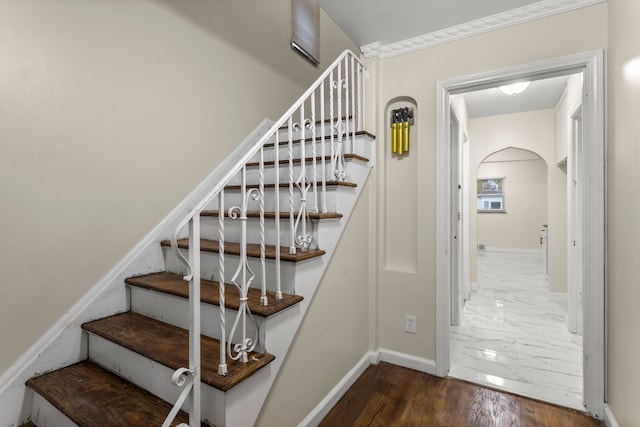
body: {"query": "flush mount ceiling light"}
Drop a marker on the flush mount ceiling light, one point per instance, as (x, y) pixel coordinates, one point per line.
(515, 88)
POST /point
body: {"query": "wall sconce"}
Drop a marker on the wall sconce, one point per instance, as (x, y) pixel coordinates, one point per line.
(401, 119)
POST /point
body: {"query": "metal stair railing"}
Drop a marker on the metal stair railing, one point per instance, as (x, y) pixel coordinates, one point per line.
(334, 104)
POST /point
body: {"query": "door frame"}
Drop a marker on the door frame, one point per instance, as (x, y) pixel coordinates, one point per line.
(575, 222)
(591, 64)
(455, 144)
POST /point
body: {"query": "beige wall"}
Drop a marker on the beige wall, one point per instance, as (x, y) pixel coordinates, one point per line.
(525, 195)
(623, 211)
(334, 335)
(412, 290)
(110, 113)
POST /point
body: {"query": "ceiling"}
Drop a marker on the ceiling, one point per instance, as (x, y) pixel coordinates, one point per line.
(385, 22)
(540, 94)
(368, 21)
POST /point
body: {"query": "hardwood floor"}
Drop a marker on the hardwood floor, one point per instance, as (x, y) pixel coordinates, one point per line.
(389, 395)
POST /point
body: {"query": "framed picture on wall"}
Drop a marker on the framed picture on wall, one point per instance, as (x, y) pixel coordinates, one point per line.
(490, 193)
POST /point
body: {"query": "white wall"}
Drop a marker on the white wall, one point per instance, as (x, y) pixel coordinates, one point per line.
(412, 290)
(110, 113)
(623, 210)
(525, 196)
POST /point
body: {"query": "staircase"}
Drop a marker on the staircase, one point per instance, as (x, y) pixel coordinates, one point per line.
(208, 323)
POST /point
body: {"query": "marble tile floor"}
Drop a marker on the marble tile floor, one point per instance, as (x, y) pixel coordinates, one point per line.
(513, 337)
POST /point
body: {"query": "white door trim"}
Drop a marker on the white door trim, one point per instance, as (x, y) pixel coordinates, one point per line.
(592, 64)
(456, 225)
(575, 259)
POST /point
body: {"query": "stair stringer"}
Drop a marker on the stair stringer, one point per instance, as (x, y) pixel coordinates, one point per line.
(244, 402)
(64, 343)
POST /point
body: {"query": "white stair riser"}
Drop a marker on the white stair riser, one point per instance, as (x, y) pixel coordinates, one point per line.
(151, 376)
(175, 311)
(233, 230)
(360, 145)
(283, 134)
(210, 266)
(233, 198)
(253, 173)
(345, 145)
(44, 414)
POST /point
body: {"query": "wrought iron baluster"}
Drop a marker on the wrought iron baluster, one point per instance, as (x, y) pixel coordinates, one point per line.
(263, 297)
(353, 105)
(303, 239)
(360, 121)
(182, 377)
(222, 367)
(276, 191)
(194, 320)
(333, 123)
(314, 176)
(244, 275)
(323, 161)
(292, 228)
(338, 161)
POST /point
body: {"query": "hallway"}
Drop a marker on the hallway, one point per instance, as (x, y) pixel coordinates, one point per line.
(513, 338)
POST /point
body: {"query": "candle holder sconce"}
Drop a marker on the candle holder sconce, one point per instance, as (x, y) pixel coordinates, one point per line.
(401, 120)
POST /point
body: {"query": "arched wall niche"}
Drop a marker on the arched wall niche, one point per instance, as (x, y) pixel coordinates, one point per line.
(400, 242)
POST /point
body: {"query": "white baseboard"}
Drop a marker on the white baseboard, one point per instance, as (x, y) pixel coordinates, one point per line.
(371, 358)
(516, 250)
(322, 409)
(408, 361)
(609, 419)
(559, 297)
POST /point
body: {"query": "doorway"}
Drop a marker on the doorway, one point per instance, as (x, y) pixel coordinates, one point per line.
(513, 333)
(592, 153)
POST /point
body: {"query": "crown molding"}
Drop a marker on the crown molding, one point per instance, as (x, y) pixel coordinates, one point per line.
(490, 23)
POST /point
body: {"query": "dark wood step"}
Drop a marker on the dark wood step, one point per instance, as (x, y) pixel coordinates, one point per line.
(286, 185)
(326, 137)
(169, 345)
(92, 397)
(309, 160)
(272, 215)
(253, 250)
(28, 424)
(173, 284)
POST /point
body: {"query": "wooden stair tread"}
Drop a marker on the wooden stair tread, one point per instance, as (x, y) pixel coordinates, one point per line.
(272, 215)
(28, 424)
(309, 160)
(93, 397)
(169, 345)
(253, 250)
(174, 284)
(286, 185)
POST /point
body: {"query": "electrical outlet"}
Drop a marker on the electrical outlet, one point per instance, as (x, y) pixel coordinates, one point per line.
(410, 323)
